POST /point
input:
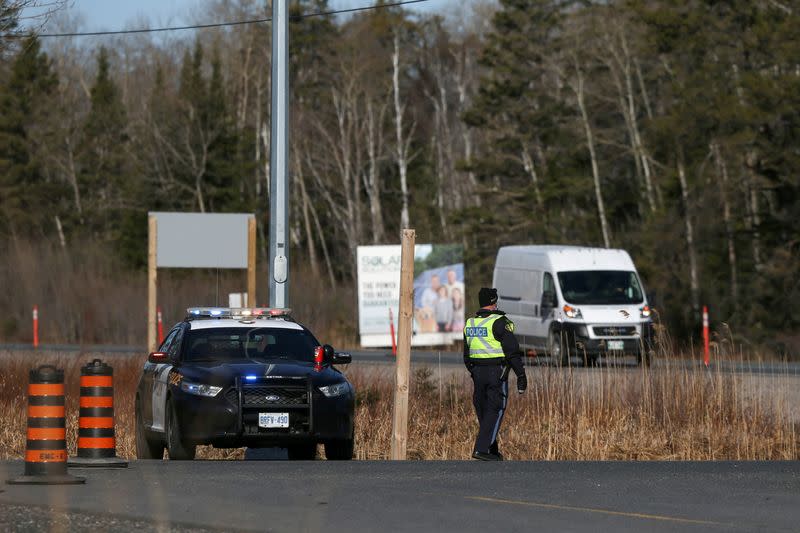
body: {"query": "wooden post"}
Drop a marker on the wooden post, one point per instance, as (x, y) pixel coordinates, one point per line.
(251, 262)
(400, 424)
(152, 240)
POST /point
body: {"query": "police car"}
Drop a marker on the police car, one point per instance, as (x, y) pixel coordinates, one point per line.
(243, 377)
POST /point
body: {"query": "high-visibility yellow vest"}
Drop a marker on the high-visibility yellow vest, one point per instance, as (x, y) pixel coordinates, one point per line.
(480, 337)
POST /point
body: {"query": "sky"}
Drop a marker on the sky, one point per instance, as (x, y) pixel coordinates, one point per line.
(100, 15)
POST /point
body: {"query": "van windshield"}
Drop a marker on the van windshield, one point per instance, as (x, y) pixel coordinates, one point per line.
(600, 287)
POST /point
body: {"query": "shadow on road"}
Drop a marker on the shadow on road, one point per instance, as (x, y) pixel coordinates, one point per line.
(266, 454)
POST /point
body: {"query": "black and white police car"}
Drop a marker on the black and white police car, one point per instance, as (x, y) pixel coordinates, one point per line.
(243, 377)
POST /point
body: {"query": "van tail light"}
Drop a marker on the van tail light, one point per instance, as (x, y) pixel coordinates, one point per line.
(319, 354)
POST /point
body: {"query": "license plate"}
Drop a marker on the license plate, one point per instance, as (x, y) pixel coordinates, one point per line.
(615, 345)
(273, 420)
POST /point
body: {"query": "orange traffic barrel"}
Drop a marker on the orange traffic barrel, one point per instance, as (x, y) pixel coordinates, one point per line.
(97, 444)
(46, 448)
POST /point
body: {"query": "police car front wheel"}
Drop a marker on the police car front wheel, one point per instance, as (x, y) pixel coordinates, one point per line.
(178, 448)
(339, 450)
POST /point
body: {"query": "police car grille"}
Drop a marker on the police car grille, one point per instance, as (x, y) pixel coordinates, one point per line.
(614, 331)
(272, 396)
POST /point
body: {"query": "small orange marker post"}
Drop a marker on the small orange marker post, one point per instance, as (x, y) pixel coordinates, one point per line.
(35, 326)
(391, 330)
(706, 357)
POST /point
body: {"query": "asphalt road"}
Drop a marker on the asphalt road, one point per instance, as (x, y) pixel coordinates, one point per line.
(461, 496)
(450, 359)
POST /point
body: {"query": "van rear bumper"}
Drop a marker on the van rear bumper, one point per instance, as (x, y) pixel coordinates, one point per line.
(579, 340)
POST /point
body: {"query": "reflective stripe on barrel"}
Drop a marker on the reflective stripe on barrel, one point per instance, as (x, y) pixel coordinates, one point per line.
(46, 445)
(96, 424)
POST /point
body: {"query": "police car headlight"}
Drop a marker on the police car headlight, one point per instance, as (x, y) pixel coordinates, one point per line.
(336, 389)
(199, 389)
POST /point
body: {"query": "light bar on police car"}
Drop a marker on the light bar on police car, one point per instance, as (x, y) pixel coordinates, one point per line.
(236, 312)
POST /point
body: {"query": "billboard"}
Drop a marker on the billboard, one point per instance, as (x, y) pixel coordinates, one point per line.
(202, 240)
(438, 294)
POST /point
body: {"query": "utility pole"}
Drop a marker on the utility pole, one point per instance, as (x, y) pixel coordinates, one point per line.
(279, 159)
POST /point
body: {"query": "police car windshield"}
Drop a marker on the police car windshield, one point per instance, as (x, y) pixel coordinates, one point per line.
(598, 287)
(242, 344)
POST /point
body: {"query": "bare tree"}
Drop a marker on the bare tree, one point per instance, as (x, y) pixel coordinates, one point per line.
(694, 284)
(402, 139)
(621, 65)
(578, 85)
(722, 180)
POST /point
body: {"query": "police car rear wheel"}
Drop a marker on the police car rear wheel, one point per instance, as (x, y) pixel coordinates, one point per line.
(306, 451)
(339, 450)
(146, 448)
(178, 448)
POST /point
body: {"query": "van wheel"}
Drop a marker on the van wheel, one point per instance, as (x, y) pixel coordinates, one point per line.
(645, 357)
(589, 359)
(557, 348)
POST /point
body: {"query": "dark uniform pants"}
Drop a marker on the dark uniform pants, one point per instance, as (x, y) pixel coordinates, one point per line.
(489, 399)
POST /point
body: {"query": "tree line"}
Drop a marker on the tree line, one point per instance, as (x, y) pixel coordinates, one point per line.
(668, 128)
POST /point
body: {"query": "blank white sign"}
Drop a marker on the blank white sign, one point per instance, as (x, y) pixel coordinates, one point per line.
(201, 240)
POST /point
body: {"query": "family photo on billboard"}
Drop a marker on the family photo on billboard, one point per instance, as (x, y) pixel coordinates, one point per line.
(439, 290)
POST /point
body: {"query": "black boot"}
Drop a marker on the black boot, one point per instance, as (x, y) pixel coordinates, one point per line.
(493, 449)
(480, 456)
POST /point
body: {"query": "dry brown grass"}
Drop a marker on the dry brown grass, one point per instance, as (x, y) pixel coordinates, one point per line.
(600, 414)
(86, 296)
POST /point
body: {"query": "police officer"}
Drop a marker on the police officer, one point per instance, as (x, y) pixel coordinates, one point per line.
(490, 350)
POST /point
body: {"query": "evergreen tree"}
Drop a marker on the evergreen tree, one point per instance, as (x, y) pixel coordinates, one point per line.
(27, 197)
(529, 165)
(104, 158)
(225, 168)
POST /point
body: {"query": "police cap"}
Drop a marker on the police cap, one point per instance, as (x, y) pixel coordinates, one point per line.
(487, 296)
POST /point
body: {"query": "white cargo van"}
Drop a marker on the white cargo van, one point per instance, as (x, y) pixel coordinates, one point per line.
(571, 301)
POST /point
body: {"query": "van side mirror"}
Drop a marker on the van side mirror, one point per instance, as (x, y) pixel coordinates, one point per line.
(549, 299)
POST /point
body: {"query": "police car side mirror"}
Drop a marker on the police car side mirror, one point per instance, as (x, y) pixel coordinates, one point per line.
(342, 358)
(328, 353)
(157, 357)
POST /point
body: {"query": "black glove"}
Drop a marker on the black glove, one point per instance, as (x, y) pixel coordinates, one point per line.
(522, 383)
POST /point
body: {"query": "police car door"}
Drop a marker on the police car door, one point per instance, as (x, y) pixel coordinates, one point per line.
(161, 379)
(148, 374)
